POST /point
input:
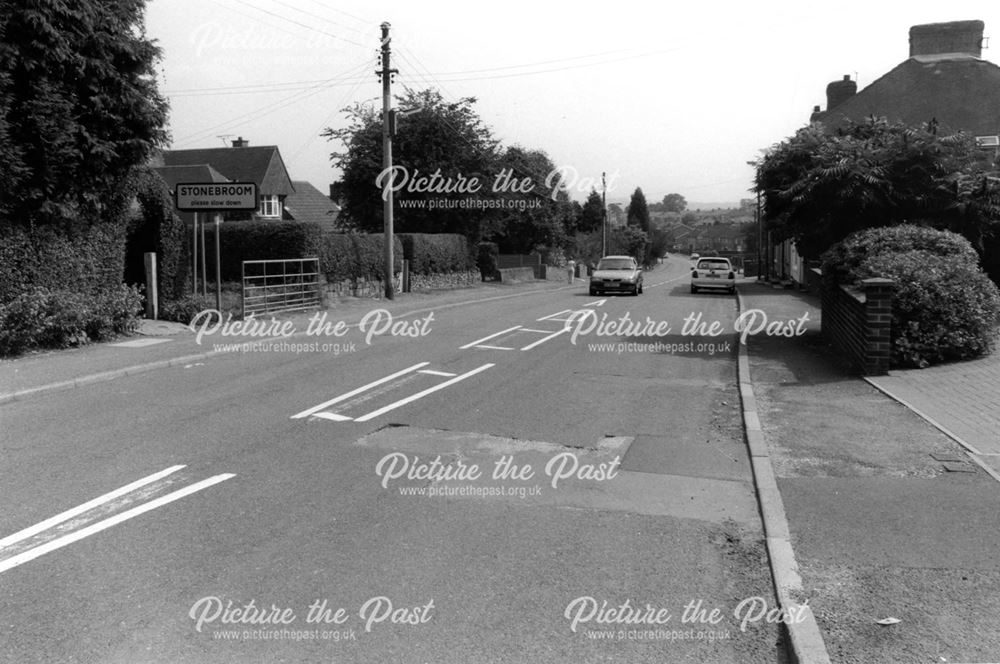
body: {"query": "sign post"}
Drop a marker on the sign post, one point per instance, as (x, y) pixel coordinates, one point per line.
(217, 197)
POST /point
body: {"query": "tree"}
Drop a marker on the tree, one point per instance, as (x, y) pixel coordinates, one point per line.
(80, 108)
(638, 211)
(820, 187)
(443, 138)
(537, 220)
(592, 214)
(674, 203)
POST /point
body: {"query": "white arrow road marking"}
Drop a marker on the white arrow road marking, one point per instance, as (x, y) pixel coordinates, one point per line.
(92, 529)
(492, 336)
(596, 303)
(89, 505)
(421, 394)
(344, 397)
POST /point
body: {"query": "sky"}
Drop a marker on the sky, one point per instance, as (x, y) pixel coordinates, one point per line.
(672, 99)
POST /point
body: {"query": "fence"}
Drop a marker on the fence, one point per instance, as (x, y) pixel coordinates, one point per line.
(280, 285)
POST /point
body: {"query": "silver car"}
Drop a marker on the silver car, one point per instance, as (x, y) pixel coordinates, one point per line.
(616, 274)
(713, 273)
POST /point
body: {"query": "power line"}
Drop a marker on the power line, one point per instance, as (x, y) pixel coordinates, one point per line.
(301, 25)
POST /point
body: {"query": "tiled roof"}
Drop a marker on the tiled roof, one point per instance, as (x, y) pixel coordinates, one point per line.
(188, 173)
(260, 164)
(960, 92)
(307, 203)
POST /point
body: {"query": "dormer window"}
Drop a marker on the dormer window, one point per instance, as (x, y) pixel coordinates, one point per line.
(270, 207)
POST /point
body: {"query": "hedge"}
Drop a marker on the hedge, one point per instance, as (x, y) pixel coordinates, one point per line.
(156, 227)
(353, 256)
(260, 240)
(436, 253)
(944, 306)
(488, 260)
(85, 259)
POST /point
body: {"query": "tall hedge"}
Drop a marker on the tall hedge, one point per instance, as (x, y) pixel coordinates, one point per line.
(260, 240)
(156, 227)
(355, 256)
(86, 259)
(437, 253)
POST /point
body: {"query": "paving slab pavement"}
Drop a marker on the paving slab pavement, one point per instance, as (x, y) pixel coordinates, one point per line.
(889, 517)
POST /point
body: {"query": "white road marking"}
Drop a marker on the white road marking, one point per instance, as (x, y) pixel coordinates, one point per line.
(89, 505)
(140, 343)
(432, 372)
(528, 329)
(596, 303)
(492, 336)
(556, 316)
(544, 339)
(336, 417)
(423, 393)
(488, 347)
(92, 529)
(343, 397)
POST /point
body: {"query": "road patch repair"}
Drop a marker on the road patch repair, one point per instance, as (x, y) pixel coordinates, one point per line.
(435, 463)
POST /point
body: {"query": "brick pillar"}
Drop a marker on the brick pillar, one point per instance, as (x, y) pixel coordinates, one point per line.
(878, 325)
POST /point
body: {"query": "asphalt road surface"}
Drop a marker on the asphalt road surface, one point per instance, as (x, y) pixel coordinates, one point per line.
(507, 481)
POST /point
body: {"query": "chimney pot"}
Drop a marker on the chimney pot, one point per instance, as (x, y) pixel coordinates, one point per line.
(840, 91)
(240, 143)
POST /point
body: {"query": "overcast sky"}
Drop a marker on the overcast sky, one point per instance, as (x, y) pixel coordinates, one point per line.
(665, 98)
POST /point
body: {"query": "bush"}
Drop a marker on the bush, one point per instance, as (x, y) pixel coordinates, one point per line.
(488, 260)
(354, 256)
(841, 262)
(436, 253)
(42, 318)
(184, 309)
(944, 306)
(261, 240)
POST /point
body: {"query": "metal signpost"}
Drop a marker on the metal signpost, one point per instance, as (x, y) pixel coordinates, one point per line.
(217, 197)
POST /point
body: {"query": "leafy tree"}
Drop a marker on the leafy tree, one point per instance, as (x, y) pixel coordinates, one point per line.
(629, 240)
(80, 107)
(820, 187)
(674, 203)
(444, 138)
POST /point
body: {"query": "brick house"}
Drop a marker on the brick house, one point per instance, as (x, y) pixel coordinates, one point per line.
(944, 80)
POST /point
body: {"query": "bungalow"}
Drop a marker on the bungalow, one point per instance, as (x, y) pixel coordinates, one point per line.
(239, 163)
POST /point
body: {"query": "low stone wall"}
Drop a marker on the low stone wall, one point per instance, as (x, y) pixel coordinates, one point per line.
(424, 282)
(513, 275)
(859, 322)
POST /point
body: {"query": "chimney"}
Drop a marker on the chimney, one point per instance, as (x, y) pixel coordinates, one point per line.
(240, 143)
(957, 37)
(840, 91)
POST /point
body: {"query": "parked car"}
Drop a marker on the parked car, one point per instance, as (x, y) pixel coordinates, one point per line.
(713, 273)
(616, 274)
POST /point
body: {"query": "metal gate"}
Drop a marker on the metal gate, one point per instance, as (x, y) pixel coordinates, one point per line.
(280, 285)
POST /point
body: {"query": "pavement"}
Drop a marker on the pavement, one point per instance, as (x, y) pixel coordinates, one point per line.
(889, 488)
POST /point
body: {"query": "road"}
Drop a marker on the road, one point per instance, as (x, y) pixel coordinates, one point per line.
(491, 483)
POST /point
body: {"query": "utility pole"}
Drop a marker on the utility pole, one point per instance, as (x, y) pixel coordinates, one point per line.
(386, 73)
(604, 215)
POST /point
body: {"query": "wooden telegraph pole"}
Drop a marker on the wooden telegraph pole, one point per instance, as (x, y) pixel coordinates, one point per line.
(386, 73)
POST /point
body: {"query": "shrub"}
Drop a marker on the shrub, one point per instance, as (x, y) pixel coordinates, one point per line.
(488, 260)
(841, 262)
(354, 256)
(42, 318)
(261, 240)
(184, 309)
(430, 253)
(944, 306)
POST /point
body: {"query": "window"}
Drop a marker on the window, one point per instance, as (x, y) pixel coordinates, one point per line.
(270, 206)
